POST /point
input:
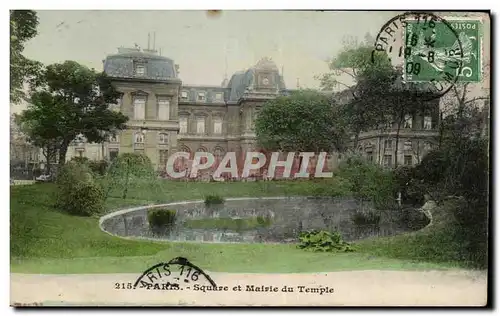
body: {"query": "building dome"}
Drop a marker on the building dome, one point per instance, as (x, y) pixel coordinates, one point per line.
(266, 63)
(139, 64)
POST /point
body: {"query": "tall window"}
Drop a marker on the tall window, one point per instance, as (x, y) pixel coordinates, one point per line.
(427, 122)
(139, 108)
(163, 138)
(139, 138)
(184, 95)
(217, 126)
(408, 160)
(408, 145)
(113, 153)
(370, 156)
(388, 144)
(408, 121)
(140, 70)
(163, 109)
(200, 125)
(183, 125)
(201, 96)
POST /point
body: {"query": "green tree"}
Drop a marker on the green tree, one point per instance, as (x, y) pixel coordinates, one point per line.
(351, 63)
(303, 121)
(459, 172)
(464, 111)
(23, 27)
(127, 168)
(72, 100)
(359, 71)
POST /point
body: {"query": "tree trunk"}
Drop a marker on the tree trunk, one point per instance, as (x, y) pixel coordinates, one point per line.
(356, 140)
(397, 145)
(63, 149)
(47, 154)
(441, 132)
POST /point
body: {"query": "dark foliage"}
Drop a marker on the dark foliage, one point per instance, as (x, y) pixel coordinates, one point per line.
(323, 241)
(461, 169)
(161, 219)
(214, 200)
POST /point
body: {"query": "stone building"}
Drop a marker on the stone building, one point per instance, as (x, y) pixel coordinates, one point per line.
(167, 115)
(418, 134)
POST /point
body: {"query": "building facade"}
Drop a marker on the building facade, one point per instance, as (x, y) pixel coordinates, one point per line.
(167, 115)
(406, 144)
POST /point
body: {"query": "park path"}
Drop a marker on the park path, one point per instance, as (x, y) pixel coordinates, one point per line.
(353, 288)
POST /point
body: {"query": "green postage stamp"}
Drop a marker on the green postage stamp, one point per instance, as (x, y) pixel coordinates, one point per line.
(447, 48)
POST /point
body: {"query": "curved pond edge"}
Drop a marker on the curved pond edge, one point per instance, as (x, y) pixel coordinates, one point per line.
(427, 213)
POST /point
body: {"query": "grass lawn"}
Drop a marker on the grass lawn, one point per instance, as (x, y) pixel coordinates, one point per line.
(45, 240)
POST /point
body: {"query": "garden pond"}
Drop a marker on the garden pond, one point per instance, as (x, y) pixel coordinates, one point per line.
(266, 220)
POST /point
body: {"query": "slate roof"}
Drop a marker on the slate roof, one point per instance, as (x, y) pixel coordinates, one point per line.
(160, 68)
(238, 83)
(157, 67)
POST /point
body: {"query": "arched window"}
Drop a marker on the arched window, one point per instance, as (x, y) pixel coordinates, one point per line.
(163, 138)
(218, 153)
(204, 150)
(139, 138)
(185, 149)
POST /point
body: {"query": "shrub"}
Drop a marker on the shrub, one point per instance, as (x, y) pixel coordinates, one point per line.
(71, 174)
(213, 200)
(413, 218)
(264, 221)
(361, 218)
(323, 241)
(83, 198)
(80, 160)
(412, 193)
(161, 218)
(128, 168)
(99, 167)
(368, 181)
(471, 230)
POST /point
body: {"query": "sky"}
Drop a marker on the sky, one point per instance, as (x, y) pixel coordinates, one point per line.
(298, 41)
(206, 47)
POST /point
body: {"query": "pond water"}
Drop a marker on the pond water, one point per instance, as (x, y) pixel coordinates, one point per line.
(288, 217)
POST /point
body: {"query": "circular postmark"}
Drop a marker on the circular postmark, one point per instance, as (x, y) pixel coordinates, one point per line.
(426, 48)
(175, 275)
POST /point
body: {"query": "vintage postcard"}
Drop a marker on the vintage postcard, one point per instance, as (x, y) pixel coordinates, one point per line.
(249, 158)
